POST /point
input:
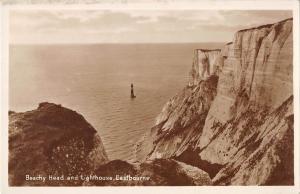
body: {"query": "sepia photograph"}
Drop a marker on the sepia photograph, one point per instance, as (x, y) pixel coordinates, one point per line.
(133, 97)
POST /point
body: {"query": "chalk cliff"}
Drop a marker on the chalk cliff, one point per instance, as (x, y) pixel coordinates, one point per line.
(235, 119)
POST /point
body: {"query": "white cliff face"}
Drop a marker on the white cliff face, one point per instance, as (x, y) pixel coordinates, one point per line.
(249, 115)
(252, 76)
(255, 80)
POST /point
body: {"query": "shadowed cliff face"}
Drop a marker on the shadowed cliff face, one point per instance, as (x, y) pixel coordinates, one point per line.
(244, 121)
(52, 140)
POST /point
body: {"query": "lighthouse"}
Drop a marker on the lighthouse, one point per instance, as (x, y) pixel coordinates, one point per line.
(132, 92)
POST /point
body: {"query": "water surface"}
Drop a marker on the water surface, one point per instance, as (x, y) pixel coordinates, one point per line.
(95, 81)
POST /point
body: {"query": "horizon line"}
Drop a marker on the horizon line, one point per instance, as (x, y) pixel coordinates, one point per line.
(97, 43)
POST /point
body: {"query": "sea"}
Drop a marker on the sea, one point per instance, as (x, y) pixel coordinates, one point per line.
(95, 79)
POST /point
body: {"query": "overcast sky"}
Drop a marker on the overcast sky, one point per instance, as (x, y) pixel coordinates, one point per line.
(132, 26)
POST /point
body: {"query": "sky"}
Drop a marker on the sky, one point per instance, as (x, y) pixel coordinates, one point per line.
(134, 26)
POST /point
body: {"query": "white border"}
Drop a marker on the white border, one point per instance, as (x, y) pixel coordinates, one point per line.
(200, 5)
(203, 5)
(1, 94)
(170, 5)
(296, 82)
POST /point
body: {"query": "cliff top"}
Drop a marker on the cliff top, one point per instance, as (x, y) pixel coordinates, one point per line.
(53, 115)
(264, 26)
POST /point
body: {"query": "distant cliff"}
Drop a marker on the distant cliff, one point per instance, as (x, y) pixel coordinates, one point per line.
(235, 119)
(205, 65)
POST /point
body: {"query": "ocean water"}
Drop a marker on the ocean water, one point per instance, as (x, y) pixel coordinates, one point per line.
(95, 81)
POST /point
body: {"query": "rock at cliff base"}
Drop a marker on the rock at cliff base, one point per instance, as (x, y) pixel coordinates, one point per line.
(159, 172)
